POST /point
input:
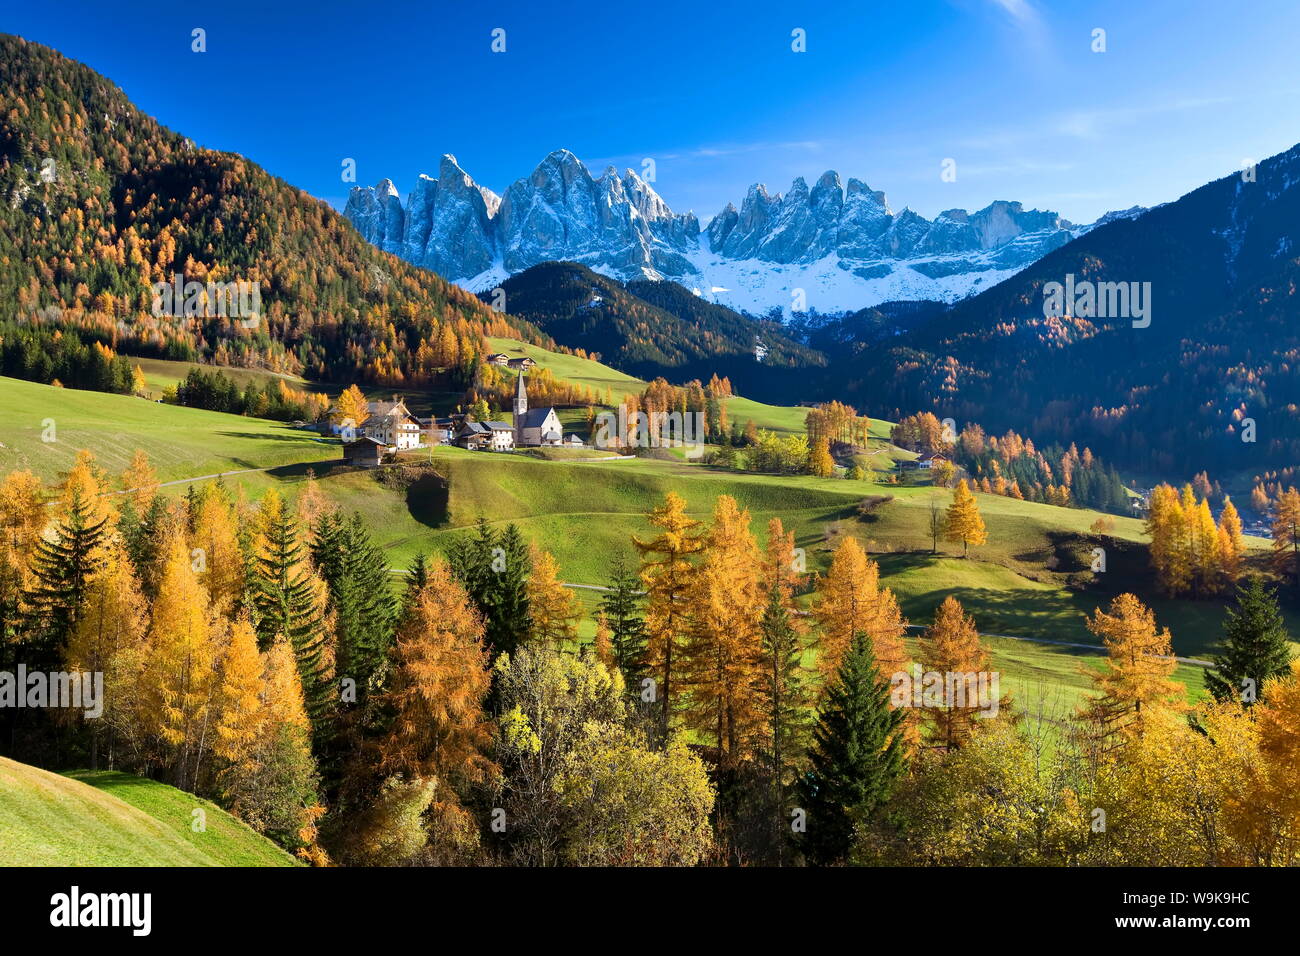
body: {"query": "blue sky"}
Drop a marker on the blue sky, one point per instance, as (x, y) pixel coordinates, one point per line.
(712, 91)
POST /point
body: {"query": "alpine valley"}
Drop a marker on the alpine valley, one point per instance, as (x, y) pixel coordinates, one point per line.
(557, 528)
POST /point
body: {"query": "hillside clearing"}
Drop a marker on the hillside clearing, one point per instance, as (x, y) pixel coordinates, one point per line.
(113, 819)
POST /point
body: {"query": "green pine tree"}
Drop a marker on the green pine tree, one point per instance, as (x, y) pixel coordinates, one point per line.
(623, 614)
(142, 535)
(63, 565)
(417, 576)
(509, 619)
(285, 605)
(493, 568)
(856, 758)
(361, 598)
(1255, 646)
(786, 698)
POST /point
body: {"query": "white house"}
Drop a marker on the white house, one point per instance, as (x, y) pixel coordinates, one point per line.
(487, 436)
(393, 424)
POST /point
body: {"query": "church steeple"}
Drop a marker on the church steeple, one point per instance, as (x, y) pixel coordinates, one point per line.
(521, 395)
(521, 407)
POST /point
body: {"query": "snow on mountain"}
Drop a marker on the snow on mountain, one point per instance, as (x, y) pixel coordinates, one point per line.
(842, 246)
(827, 285)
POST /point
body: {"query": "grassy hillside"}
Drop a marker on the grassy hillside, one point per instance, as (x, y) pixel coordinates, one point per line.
(159, 373)
(1032, 579)
(181, 442)
(114, 819)
(570, 368)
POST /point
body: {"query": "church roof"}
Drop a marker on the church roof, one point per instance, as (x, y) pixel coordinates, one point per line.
(521, 390)
(534, 417)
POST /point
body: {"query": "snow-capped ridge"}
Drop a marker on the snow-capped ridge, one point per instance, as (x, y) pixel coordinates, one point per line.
(838, 240)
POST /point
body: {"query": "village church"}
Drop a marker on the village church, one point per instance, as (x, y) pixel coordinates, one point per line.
(538, 426)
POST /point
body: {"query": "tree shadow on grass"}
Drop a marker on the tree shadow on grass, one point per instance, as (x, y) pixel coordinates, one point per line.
(300, 470)
(287, 435)
(427, 501)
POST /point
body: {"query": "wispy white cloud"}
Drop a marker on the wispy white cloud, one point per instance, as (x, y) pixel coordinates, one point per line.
(718, 151)
(1093, 124)
(1019, 10)
(1028, 22)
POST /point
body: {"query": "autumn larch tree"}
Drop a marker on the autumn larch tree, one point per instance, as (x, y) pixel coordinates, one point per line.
(668, 574)
(552, 608)
(1134, 684)
(1286, 534)
(438, 729)
(721, 655)
(602, 644)
(1231, 547)
(352, 405)
(1170, 552)
(783, 566)
(1206, 549)
(850, 601)
(108, 637)
(215, 542)
(240, 724)
(820, 462)
(140, 482)
(963, 522)
(179, 679)
(952, 647)
(267, 776)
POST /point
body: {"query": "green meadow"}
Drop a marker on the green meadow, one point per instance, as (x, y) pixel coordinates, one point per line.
(1031, 580)
(103, 818)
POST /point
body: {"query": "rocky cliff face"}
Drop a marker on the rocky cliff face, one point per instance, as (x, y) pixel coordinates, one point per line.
(461, 230)
(831, 236)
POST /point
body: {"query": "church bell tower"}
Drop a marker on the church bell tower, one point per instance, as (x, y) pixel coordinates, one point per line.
(521, 408)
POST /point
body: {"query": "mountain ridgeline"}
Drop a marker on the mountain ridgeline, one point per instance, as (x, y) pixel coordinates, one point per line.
(1210, 373)
(842, 242)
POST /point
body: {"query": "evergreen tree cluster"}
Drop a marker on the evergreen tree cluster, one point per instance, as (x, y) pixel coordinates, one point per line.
(40, 355)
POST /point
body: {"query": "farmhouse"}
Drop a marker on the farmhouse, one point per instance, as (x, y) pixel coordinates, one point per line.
(486, 436)
(521, 364)
(929, 460)
(363, 453)
(498, 358)
(392, 423)
(537, 426)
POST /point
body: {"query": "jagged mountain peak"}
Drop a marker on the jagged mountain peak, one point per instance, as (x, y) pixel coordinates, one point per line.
(838, 239)
(829, 179)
